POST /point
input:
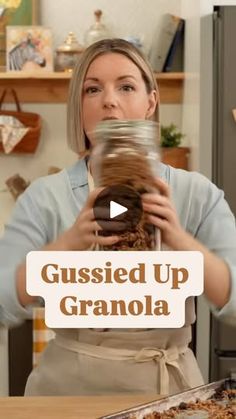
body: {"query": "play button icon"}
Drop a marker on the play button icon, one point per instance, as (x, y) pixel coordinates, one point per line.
(118, 208)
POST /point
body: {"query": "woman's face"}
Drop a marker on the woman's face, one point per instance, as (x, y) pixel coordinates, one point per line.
(114, 89)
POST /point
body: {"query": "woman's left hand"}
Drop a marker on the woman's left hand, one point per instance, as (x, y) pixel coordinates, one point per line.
(163, 215)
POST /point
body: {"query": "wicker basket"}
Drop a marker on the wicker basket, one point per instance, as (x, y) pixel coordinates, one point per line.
(30, 141)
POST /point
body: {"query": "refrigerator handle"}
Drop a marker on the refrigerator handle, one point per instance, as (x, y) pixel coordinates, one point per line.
(234, 113)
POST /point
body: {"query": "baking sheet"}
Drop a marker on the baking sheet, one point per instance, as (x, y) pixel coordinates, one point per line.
(202, 392)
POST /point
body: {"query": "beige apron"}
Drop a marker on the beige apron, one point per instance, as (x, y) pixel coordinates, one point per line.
(109, 361)
(90, 362)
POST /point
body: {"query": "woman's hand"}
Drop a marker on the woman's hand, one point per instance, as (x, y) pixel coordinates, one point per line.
(162, 214)
(84, 232)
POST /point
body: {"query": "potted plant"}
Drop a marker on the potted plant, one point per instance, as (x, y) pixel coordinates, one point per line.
(171, 152)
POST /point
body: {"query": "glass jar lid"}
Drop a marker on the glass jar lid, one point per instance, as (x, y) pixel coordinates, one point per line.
(70, 44)
(136, 129)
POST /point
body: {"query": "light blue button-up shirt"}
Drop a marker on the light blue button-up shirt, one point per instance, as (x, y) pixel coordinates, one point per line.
(51, 204)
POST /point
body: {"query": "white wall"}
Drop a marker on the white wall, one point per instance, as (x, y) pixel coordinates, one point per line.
(51, 151)
(125, 17)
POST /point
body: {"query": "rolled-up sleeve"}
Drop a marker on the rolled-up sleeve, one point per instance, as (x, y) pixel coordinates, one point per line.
(217, 231)
(24, 232)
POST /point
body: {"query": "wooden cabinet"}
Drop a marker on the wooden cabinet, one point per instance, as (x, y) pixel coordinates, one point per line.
(53, 87)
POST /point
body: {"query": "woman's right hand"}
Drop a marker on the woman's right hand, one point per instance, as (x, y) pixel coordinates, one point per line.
(84, 232)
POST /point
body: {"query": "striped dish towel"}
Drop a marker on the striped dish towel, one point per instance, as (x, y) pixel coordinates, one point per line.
(41, 333)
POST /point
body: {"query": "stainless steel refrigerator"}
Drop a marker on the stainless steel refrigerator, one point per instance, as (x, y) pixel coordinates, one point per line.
(223, 337)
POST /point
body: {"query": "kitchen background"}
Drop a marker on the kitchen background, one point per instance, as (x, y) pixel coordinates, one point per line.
(137, 18)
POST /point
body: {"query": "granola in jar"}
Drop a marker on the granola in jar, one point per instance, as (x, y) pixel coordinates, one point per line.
(126, 153)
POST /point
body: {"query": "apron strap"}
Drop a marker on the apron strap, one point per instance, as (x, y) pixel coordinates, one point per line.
(90, 179)
(91, 187)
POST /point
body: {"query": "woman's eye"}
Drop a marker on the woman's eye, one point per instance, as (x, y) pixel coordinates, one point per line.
(127, 88)
(91, 90)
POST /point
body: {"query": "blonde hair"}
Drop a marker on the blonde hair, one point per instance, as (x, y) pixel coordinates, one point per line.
(76, 138)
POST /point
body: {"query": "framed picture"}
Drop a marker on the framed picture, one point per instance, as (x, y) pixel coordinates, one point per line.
(29, 48)
(15, 12)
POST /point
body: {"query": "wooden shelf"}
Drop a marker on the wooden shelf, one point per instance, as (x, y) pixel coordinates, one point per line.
(52, 87)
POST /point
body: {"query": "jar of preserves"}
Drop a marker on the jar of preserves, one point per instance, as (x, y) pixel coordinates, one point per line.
(126, 154)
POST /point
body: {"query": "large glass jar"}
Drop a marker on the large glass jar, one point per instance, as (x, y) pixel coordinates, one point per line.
(126, 153)
(97, 31)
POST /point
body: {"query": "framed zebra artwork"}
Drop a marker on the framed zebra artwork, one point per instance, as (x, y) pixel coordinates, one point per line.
(12, 13)
(29, 48)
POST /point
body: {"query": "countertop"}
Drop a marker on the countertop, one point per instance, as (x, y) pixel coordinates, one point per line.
(76, 407)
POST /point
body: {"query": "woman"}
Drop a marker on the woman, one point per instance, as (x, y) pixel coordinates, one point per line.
(113, 80)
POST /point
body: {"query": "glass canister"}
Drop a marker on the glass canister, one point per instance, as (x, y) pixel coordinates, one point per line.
(97, 31)
(126, 153)
(67, 54)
